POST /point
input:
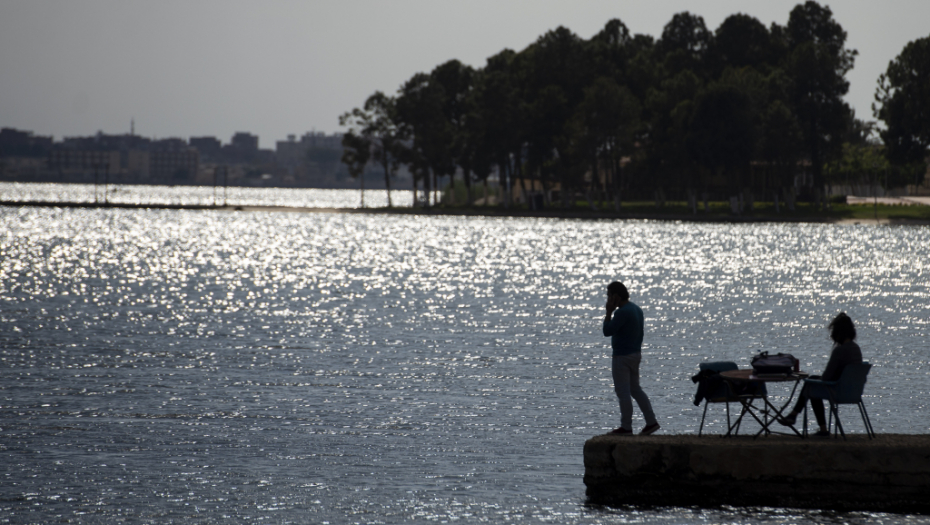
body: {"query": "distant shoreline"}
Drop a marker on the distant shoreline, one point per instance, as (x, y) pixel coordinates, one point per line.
(552, 213)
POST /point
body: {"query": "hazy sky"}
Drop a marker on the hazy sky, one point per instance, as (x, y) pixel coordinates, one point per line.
(190, 68)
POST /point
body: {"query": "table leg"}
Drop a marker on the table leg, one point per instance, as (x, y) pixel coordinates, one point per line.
(778, 414)
(751, 409)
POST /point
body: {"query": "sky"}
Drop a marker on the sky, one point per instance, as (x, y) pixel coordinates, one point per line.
(183, 68)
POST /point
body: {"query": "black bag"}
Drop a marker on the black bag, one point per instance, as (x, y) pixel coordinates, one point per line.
(774, 364)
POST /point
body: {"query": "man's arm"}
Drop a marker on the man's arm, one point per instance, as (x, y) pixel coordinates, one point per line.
(612, 326)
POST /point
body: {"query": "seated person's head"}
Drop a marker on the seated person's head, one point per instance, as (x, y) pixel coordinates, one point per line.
(617, 288)
(842, 328)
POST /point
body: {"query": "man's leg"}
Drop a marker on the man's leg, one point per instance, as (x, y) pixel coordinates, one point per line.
(621, 374)
(638, 394)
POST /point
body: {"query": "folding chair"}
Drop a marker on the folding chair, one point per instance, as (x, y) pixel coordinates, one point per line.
(723, 393)
(847, 390)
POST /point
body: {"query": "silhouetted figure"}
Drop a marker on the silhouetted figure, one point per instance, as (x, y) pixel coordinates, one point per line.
(845, 351)
(625, 330)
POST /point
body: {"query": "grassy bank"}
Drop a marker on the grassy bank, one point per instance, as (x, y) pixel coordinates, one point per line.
(718, 212)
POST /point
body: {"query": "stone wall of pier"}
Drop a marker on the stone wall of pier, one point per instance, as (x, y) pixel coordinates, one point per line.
(890, 473)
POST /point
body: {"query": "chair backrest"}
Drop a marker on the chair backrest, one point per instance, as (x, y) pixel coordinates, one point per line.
(717, 366)
(851, 383)
(724, 392)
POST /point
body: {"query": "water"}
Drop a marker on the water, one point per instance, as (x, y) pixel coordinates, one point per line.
(162, 366)
(198, 195)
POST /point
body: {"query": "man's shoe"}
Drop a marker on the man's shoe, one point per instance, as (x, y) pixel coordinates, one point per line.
(621, 431)
(649, 429)
(788, 420)
(822, 434)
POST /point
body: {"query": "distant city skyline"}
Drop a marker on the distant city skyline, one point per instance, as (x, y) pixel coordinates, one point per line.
(211, 68)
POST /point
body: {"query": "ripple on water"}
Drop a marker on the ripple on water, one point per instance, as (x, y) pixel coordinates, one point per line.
(213, 366)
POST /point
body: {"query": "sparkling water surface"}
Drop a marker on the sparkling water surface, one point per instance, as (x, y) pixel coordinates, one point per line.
(164, 366)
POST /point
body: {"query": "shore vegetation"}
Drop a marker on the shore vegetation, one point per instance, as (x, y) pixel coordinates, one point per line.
(741, 113)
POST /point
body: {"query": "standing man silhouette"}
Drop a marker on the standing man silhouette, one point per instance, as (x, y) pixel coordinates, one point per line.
(625, 330)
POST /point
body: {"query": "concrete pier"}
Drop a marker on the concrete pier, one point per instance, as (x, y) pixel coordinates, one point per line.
(888, 474)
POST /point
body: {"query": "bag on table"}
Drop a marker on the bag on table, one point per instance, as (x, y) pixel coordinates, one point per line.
(774, 364)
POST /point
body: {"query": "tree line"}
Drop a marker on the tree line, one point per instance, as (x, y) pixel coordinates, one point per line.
(736, 110)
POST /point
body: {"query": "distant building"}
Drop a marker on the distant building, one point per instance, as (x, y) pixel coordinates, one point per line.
(292, 153)
(312, 160)
(23, 156)
(138, 165)
(103, 142)
(209, 148)
(124, 158)
(173, 166)
(289, 152)
(171, 144)
(243, 148)
(15, 143)
(22, 168)
(244, 141)
(84, 163)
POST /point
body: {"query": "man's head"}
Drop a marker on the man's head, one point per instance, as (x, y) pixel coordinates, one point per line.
(617, 288)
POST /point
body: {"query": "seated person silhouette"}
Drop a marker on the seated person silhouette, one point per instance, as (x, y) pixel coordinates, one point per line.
(845, 351)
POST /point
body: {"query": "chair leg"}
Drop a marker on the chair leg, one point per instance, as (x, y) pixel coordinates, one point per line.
(764, 412)
(835, 409)
(804, 434)
(702, 419)
(865, 420)
(868, 420)
(740, 420)
(728, 416)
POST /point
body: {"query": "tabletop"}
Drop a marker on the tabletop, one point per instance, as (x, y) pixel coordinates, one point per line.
(747, 375)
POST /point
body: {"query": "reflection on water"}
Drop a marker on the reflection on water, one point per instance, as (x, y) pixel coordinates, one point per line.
(198, 195)
(172, 366)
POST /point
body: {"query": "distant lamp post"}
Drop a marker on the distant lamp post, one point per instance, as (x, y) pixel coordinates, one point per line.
(106, 183)
(96, 169)
(215, 169)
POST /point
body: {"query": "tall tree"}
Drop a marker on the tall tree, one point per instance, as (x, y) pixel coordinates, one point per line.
(356, 151)
(476, 149)
(686, 42)
(456, 81)
(604, 126)
(611, 50)
(500, 115)
(780, 144)
(669, 108)
(381, 130)
(817, 65)
(742, 41)
(422, 122)
(644, 70)
(679, 66)
(537, 115)
(553, 72)
(723, 135)
(902, 102)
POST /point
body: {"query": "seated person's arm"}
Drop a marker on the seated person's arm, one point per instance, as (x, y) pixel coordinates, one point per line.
(831, 372)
